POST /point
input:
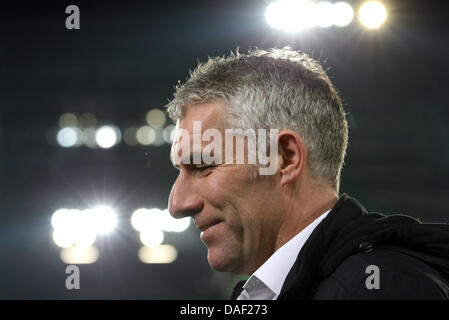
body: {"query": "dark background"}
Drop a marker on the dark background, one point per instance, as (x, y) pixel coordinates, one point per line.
(125, 60)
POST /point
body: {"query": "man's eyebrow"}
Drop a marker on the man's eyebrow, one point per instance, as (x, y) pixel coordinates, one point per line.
(188, 160)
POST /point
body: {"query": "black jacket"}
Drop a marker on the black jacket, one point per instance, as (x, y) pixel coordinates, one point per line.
(412, 258)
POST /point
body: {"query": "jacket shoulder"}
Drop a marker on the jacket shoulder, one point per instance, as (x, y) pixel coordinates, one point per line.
(383, 274)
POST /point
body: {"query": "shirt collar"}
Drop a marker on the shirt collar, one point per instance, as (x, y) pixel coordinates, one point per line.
(274, 271)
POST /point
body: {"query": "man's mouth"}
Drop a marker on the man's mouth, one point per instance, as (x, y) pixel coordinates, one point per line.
(207, 228)
(204, 226)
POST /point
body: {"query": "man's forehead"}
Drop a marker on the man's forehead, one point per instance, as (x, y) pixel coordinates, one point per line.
(208, 114)
(198, 120)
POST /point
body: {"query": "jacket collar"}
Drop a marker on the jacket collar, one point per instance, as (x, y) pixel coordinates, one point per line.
(345, 210)
(302, 276)
(348, 228)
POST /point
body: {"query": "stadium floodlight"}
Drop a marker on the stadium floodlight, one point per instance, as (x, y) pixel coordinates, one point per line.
(291, 15)
(143, 219)
(372, 14)
(68, 137)
(325, 14)
(343, 14)
(73, 227)
(155, 118)
(146, 135)
(102, 219)
(296, 15)
(171, 224)
(163, 253)
(79, 255)
(152, 237)
(107, 136)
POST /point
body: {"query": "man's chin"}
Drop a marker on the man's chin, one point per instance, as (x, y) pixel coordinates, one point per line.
(220, 266)
(221, 262)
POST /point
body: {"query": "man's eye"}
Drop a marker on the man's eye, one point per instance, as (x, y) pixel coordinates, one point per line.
(204, 168)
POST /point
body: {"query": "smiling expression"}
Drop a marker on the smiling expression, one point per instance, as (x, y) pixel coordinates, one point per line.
(238, 215)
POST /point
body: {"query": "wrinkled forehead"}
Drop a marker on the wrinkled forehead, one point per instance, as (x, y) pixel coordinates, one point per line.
(210, 115)
(198, 119)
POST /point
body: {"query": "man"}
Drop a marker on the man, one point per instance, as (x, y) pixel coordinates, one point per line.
(289, 230)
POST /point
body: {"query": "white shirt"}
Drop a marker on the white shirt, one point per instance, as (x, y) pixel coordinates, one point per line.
(266, 282)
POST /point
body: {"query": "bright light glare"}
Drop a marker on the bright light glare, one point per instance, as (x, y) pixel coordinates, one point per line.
(65, 219)
(79, 255)
(169, 133)
(343, 14)
(372, 14)
(291, 15)
(273, 14)
(152, 237)
(145, 135)
(102, 219)
(85, 238)
(143, 219)
(106, 137)
(67, 137)
(138, 219)
(59, 218)
(62, 239)
(174, 225)
(147, 219)
(161, 254)
(155, 118)
(65, 238)
(295, 15)
(76, 227)
(158, 137)
(324, 14)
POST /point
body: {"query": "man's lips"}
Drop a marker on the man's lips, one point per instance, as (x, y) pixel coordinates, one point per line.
(204, 225)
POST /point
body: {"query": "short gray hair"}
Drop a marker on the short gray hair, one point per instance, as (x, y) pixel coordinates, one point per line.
(280, 89)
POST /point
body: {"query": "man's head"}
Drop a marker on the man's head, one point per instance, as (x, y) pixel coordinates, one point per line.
(280, 89)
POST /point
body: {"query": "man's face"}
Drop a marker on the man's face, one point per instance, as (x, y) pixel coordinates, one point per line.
(238, 214)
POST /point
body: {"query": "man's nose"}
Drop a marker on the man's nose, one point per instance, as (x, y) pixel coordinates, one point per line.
(184, 199)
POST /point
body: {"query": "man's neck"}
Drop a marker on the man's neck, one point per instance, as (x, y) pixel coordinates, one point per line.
(304, 209)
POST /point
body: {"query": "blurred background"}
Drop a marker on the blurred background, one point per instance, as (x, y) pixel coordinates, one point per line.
(84, 139)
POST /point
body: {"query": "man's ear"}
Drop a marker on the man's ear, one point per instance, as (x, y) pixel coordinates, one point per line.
(292, 156)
